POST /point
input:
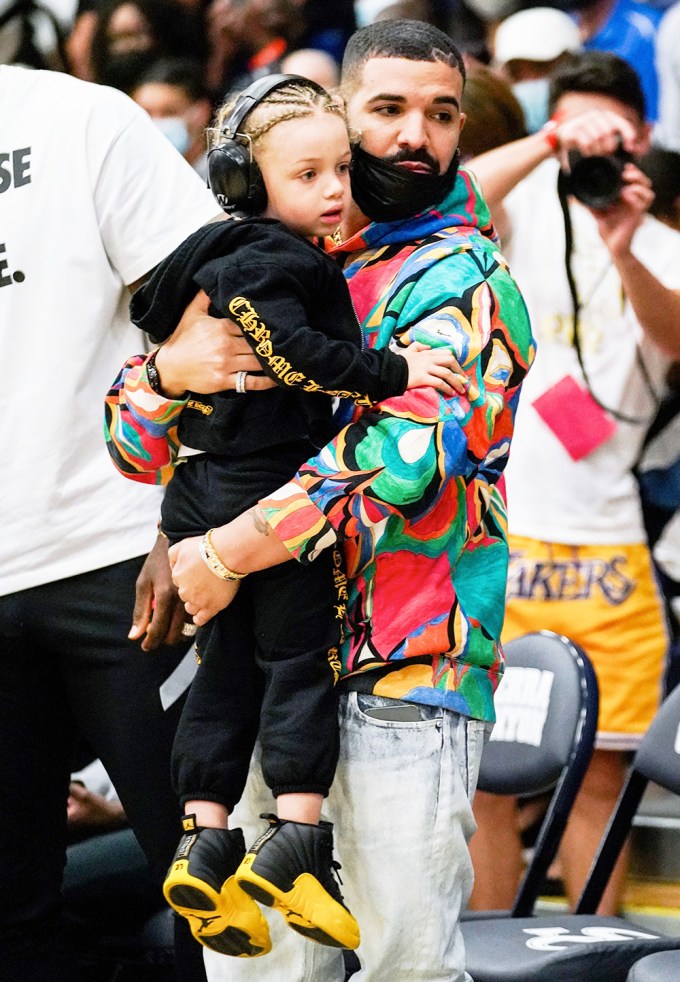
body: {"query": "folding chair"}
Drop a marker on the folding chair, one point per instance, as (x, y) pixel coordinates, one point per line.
(546, 711)
(583, 945)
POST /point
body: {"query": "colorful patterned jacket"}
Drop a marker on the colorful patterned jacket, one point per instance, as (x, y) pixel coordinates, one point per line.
(409, 486)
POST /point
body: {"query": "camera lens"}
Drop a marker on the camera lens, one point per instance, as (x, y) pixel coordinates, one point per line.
(596, 181)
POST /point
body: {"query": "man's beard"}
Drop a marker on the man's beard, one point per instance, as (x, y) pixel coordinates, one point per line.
(386, 191)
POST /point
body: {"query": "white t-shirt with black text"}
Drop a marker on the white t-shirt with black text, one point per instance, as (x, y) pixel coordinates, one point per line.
(92, 197)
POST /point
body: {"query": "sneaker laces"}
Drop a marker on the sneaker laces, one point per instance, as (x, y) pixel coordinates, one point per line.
(336, 867)
(334, 880)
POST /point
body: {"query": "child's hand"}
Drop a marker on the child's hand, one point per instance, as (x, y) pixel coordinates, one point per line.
(434, 366)
(203, 593)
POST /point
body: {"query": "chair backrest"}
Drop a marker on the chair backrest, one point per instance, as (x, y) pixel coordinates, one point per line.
(586, 945)
(546, 709)
(657, 759)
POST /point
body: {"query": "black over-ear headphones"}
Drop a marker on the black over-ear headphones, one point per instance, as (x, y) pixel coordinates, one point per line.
(233, 174)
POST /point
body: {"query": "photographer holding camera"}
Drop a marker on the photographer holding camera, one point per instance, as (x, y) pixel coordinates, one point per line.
(601, 280)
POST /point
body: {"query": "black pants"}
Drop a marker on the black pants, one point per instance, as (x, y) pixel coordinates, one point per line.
(268, 666)
(68, 669)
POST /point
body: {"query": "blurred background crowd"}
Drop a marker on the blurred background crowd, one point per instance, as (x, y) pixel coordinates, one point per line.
(178, 58)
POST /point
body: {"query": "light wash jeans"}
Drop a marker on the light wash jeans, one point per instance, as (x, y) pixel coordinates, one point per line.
(401, 807)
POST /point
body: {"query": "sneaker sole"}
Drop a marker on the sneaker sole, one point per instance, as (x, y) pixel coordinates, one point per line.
(228, 922)
(231, 941)
(307, 908)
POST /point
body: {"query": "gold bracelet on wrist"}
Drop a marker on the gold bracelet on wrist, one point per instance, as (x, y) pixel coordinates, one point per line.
(212, 560)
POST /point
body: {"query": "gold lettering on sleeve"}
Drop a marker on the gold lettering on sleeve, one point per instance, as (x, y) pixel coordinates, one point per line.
(251, 324)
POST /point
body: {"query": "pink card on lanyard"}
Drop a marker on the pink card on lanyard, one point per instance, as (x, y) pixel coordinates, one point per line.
(576, 419)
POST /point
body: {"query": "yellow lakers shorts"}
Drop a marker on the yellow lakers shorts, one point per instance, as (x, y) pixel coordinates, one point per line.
(606, 599)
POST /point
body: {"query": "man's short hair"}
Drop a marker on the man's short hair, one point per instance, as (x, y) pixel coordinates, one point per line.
(413, 40)
(602, 73)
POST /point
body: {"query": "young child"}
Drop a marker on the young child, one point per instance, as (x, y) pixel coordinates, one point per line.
(269, 662)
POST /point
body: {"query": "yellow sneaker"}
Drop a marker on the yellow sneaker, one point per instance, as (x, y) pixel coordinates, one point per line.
(201, 887)
(291, 868)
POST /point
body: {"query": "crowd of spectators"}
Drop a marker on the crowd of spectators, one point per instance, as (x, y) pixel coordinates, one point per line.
(224, 44)
(194, 52)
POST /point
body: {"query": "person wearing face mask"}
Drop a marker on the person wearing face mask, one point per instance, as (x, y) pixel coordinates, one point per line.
(173, 94)
(528, 47)
(409, 489)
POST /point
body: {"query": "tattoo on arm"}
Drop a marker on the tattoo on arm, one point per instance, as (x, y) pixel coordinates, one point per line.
(259, 521)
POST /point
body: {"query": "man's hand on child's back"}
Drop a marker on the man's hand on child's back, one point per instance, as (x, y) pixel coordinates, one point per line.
(204, 354)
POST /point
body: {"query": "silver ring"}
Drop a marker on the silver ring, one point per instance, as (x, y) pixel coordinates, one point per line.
(241, 382)
(189, 629)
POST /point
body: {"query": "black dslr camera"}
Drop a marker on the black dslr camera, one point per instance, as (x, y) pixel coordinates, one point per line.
(596, 181)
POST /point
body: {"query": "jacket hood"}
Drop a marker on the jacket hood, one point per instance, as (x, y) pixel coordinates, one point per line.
(463, 208)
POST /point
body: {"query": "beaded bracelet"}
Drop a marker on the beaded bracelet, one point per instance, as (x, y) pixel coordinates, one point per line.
(152, 373)
(213, 562)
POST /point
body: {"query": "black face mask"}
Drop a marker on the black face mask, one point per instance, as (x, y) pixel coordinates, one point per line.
(387, 192)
